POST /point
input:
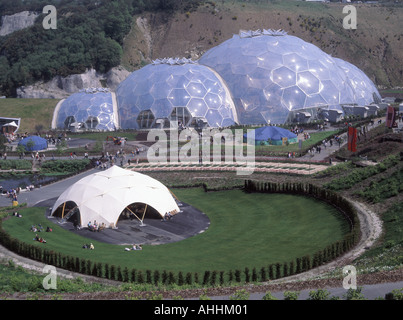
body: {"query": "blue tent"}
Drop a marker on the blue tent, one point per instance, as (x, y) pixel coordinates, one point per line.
(272, 135)
(37, 143)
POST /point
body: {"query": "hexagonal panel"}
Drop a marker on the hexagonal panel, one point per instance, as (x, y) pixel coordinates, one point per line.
(284, 77)
(293, 98)
(179, 97)
(295, 62)
(213, 100)
(309, 83)
(196, 89)
(197, 107)
(213, 116)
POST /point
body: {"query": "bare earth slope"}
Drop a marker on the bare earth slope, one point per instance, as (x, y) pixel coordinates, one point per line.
(375, 46)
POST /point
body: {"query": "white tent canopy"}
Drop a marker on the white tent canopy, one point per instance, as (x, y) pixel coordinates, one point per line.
(11, 124)
(103, 196)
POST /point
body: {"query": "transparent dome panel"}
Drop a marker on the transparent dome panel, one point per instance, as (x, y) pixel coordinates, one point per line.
(180, 85)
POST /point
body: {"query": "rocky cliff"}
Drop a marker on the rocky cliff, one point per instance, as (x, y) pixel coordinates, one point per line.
(17, 21)
(62, 87)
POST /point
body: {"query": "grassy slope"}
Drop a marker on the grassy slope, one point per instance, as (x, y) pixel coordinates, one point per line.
(32, 112)
(246, 230)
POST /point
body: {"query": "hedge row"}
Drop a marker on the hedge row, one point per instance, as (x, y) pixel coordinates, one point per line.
(15, 164)
(307, 189)
(209, 277)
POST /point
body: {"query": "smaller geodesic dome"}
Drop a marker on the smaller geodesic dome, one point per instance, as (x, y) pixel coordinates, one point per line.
(34, 143)
(174, 91)
(271, 135)
(91, 108)
(104, 195)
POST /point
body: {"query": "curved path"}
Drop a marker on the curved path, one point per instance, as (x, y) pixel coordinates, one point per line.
(371, 229)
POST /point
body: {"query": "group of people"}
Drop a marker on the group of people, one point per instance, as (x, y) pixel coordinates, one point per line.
(89, 246)
(167, 216)
(135, 247)
(39, 239)
(39, 228)
(96, 226)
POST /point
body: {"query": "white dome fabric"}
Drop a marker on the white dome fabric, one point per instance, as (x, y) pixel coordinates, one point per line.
(103, 196)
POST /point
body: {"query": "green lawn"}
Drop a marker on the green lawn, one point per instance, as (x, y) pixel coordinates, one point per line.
(247, 230)
(294, 147)
(33, 112)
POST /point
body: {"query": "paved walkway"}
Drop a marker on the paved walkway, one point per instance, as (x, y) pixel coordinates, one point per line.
(50, 191)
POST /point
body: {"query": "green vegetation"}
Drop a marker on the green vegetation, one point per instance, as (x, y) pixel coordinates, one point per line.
(64, 166)
(89, 34)
(383, 188)
(389, 253)
(15, 164)
(16, 279)
(35, 114)
(316, 138)
(360, 174)
(319, 225)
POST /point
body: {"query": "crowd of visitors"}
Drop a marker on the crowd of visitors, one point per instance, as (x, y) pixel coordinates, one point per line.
(96, 227)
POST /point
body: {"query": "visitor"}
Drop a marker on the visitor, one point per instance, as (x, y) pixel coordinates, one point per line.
(91, 246)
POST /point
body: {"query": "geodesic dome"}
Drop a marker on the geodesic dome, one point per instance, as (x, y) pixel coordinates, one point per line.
(365, 91)
(178, 90)
(92, 107)
(271, 74)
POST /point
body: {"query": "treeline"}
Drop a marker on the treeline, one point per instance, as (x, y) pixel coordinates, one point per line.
(89, 34)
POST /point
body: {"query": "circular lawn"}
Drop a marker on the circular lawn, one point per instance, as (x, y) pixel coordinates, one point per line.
(246, 230)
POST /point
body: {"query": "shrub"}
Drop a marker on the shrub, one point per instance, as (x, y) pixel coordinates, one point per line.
(291, 295)
(133, 275)
(269, 296)
(148, 276)
(237, 275)
(247, 276)
(206, 277)
(171, 278)
(240, 295)
(320, 294)
(180, 279)
(140, 277)
(156, 277)
(188, 278)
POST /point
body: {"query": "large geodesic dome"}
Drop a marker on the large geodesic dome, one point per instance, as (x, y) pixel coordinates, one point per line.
(272, 75)
(365, 91)
(174, 90)
(92, 108)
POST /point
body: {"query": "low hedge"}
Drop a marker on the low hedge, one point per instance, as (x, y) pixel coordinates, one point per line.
(209, 277)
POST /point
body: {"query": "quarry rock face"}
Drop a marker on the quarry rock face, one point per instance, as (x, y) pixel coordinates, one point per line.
(62, 87)
(18, 21)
